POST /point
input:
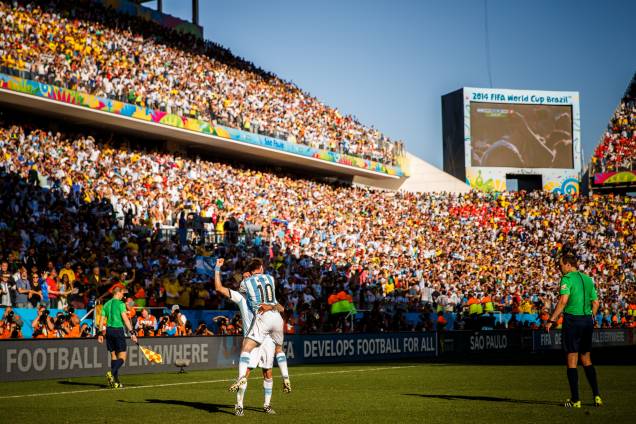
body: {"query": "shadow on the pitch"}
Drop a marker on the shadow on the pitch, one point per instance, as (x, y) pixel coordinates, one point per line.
(212, 408)
(485, 399)
(81, 383)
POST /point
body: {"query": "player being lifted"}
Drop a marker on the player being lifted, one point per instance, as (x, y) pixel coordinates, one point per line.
(259, 289)
(262, 356)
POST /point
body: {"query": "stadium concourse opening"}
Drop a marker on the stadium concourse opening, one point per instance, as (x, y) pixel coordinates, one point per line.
(517, 182)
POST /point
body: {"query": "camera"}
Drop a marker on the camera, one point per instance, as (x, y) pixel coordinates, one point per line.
(44, 316)
(201, 330)
(86, 332)
(15, 331)
(9, 317)
(59, 321)
(163, 321)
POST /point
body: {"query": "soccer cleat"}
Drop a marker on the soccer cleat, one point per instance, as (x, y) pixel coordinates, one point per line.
(286, 386)
(240, 382)
(570, 404)
(268, 410)
(111, 380)
(598, 401)
(238, 411)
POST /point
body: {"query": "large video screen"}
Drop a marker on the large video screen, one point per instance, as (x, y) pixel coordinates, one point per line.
(521, 135)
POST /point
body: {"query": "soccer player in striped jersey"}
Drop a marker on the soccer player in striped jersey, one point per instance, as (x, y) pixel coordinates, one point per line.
(262, 356)
(259, 289)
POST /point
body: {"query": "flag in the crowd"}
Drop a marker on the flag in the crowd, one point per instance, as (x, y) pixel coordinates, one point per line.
(341, 303)
(150, 355)
(205, 265)
(98, 317)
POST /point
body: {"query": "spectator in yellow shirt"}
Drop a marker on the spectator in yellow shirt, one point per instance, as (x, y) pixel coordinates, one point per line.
(68, 272)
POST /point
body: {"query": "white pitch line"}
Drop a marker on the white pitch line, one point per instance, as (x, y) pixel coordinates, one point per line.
(184, 383)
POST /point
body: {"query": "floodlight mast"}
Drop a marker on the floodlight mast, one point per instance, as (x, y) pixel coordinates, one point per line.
(195, 9)
(195, 12)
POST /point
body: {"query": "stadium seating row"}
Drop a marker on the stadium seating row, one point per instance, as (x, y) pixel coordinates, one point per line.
(617, 149)
(86, 47)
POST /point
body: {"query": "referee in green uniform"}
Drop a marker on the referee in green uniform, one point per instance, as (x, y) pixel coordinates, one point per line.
(114, 317)
(579, 304)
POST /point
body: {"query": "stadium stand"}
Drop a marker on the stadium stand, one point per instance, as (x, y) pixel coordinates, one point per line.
(83, 212)
(90, 48)
(616, 153)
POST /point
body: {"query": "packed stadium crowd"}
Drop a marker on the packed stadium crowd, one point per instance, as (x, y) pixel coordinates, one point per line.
(617, 149)
(87, 47)
(82, 213)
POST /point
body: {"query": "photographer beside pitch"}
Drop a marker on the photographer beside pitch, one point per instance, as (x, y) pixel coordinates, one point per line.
(579, 304)
(114, 317)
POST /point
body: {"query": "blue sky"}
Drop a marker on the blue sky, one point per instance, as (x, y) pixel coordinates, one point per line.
(389, 62)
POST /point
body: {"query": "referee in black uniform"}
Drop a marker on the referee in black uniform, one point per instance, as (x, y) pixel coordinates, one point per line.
(579, 304)
(114, 319)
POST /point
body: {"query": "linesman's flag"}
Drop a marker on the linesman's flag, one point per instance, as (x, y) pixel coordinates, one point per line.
(150, 355)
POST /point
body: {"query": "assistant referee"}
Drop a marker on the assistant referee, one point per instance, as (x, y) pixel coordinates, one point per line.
(114, 317)
(579, 304)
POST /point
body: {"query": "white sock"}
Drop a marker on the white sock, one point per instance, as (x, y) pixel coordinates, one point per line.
(243, 363)
(281, 360)
(240, 395)
(267, 390)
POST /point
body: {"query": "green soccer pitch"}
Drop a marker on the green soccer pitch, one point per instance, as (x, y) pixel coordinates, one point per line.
(365, 393)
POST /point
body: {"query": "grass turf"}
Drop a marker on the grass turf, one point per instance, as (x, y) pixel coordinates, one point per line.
(369, 393)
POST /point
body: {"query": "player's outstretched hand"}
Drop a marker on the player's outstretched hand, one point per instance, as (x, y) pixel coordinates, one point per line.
(219, 262)
(100, 339)
(133, 338)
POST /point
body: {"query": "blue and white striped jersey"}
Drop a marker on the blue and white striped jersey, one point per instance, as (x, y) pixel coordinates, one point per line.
(246, 314)
(259, 289)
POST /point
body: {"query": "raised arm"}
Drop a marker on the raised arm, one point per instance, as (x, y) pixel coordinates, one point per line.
(224, 291)
(34, 323)
(134, 275)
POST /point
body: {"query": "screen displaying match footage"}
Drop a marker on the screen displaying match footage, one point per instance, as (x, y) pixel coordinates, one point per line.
(521, 135)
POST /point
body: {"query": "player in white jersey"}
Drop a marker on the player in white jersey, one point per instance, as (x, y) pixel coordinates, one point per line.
(259, 290)
(263, 356)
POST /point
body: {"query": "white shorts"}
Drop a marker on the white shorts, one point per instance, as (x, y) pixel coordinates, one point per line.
(266, 324)
(263, 355)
